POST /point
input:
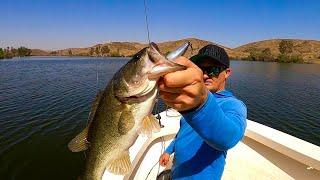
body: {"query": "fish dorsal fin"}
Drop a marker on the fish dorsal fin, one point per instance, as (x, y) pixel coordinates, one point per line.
(126, 121)
(149, 124)
(121, 165)
(79, 143)
(94, 106)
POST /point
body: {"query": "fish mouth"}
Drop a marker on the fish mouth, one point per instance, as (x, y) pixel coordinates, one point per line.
(162, 64)
(155, 65)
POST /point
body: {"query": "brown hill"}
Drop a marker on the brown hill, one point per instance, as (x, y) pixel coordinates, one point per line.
(308, 50)
(39, 52)
(108, 49)
(197, 44)
(127, 49)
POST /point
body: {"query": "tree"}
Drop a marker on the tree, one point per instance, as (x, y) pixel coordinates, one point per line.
(283, 58)
(105, 50)
(7, 53)
(286, 53)
(70, 52)
(23, 51)
(54, 53)
(14, 52)
(296, 59)
(266, 55)
(115, 53)
(260, 55)
(286, 47)
(91, 52)
(97, 50)
(1, 53)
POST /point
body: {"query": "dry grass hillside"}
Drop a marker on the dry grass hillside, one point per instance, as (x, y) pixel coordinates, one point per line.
(128, 49)
(197, 44)
(309, 50)
(39, 52)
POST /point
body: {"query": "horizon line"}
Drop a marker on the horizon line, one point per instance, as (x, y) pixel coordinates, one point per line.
(161, 41)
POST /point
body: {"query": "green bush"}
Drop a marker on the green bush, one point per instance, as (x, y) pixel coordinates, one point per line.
(296, 59)
(91, 51)
(282, 58)
(115, 53)
(258, 55)
(1, 53)
(105, 50)
(286, 47)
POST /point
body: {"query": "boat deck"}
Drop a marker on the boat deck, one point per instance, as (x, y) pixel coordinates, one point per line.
(264, 153)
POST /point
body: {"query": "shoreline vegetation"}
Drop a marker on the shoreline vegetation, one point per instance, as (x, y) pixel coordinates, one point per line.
(10, 52)
(286, 54)
(273, 50)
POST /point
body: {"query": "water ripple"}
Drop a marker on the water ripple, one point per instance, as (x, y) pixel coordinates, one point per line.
(45, 102)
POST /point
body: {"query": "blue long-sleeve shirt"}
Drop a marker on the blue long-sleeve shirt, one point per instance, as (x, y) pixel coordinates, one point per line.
(205, 135)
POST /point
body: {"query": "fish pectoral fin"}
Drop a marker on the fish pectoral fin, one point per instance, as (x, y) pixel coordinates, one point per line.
(120, 165)
(126, 121)
(149, 124)
(79, 143)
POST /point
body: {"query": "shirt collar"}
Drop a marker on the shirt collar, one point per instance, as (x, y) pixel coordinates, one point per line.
(223, 93)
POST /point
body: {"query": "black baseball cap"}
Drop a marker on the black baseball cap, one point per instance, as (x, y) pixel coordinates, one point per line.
(214, 52)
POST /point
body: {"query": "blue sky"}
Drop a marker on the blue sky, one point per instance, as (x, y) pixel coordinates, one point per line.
(56, 24)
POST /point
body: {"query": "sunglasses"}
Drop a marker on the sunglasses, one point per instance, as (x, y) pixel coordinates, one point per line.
(212, 71)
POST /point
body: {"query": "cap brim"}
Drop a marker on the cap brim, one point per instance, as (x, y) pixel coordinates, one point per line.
(197, 58)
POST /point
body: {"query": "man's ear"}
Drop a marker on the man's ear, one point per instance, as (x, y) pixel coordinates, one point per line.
(228, 72)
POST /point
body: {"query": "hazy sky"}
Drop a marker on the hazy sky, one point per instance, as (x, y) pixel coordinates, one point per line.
(55, 24)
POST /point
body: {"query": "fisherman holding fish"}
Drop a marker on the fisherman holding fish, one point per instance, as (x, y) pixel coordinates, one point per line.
(213, 119)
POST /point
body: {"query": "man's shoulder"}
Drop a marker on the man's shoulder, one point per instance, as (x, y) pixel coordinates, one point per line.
(237, 101)
(226, 97)
(233, 103)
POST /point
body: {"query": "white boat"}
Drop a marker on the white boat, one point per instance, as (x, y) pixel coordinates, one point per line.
(264, 153)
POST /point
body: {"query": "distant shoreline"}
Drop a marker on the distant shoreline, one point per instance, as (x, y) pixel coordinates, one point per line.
(121, 57)
(272, 50)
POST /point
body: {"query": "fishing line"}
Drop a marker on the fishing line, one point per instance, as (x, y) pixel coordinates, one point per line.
(158, 162)
(157, 100)
(151, 170)
(146, 17)
(163, 145)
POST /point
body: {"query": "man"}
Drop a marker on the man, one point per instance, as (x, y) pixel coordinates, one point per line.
(213, 120)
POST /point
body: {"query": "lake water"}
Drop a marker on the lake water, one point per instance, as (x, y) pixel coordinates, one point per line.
(44, 102)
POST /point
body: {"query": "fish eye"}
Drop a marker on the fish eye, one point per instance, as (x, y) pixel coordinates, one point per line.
(137, 56)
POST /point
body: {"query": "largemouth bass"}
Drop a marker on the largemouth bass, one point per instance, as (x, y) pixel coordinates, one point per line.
(123, 111)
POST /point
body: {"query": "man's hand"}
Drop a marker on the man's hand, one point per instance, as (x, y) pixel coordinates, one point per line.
(164, 159)
(183, 90)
